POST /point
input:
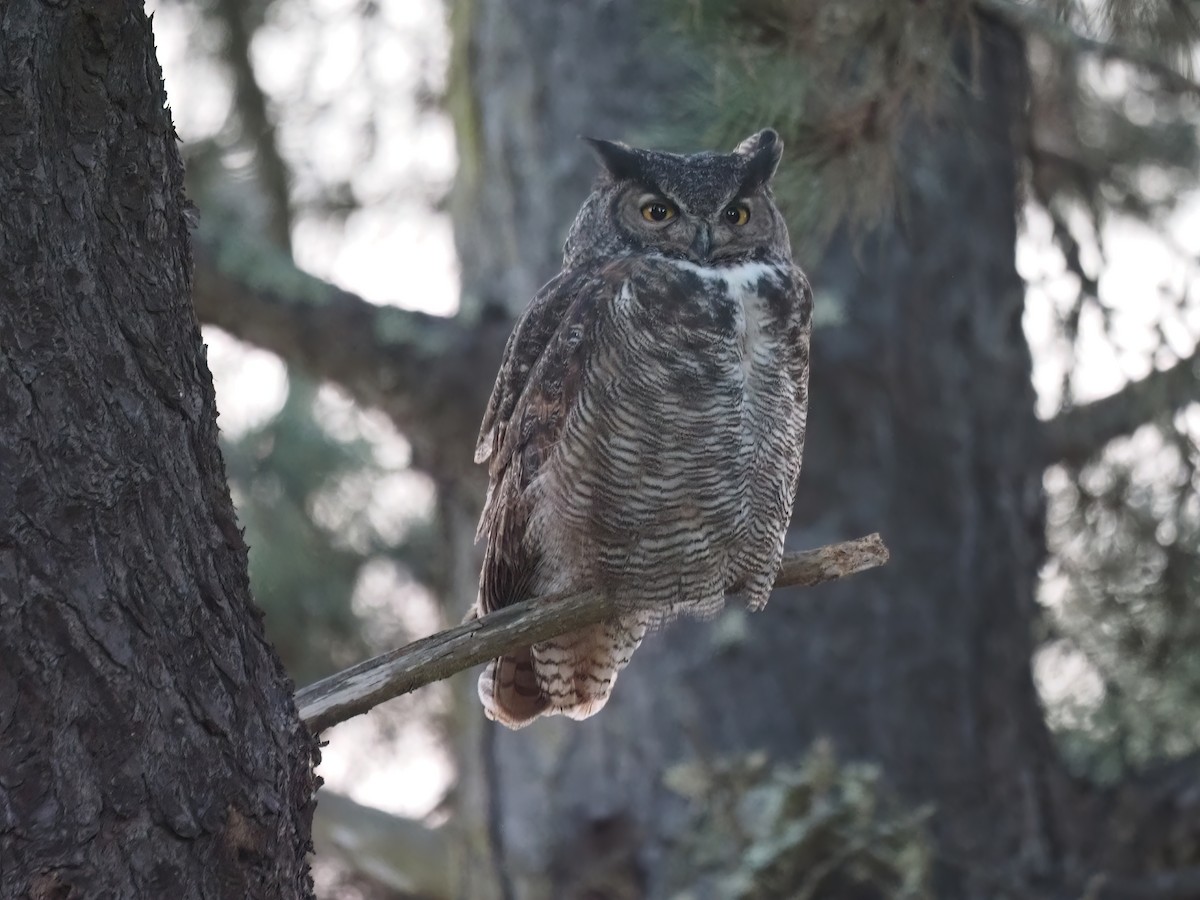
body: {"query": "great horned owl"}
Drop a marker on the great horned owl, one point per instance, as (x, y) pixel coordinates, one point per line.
(645, 431)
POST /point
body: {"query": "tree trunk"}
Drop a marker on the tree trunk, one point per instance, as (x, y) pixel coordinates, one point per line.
(149, 745)
(527, 79)
(922, 427)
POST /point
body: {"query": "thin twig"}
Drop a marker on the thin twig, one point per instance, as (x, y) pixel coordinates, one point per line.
(1029, 18)
(356, 690)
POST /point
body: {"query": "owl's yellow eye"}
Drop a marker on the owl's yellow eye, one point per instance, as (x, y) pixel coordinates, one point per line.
(658, 211)
(737, 214)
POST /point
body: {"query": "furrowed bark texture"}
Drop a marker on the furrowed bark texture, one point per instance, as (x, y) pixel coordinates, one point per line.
(922, 426)
(149, 744)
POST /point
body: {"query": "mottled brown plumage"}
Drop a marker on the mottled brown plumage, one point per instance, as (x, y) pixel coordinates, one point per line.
(645, 432)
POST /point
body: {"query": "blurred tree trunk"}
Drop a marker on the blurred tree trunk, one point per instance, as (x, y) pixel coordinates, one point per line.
(922, 426)
(149, 745)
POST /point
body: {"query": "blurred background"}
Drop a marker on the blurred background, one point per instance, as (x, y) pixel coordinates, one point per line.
(997, 204)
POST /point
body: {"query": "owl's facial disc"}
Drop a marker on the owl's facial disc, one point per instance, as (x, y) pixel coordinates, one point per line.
(710, 208)
(724, 230)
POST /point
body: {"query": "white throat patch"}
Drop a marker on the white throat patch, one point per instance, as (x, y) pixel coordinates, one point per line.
(738, 277)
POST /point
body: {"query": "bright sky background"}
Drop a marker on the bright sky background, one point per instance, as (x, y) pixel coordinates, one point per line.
(1138, 268)
(395, 252)
(401, 251)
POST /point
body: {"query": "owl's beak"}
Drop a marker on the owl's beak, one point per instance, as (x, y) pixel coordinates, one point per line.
(702, 243)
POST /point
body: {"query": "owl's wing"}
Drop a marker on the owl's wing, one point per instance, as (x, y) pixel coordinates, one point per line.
(536, 388)
(528, 341)
(800, 333)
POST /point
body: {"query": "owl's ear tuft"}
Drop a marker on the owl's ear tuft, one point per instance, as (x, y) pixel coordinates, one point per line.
(620, 160)
(763, 152)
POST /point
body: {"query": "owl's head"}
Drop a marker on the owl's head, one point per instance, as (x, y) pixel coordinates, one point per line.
(709, 208)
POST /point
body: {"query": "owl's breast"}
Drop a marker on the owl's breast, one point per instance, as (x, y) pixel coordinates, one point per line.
(741, 317)
(725, 328)
(674, 475)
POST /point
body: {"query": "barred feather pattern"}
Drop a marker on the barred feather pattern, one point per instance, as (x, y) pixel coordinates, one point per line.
(644, 438)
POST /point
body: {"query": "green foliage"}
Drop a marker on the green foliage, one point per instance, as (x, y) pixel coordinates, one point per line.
(1126, 536)
(815, 829)
(299, 578)
(839, 81)
(304, 568)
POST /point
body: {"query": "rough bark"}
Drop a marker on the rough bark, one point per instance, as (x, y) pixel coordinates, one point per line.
(922, 422)
(149, 744)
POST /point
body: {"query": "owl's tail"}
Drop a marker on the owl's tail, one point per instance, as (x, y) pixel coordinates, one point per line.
(509, 690)
(571, 675)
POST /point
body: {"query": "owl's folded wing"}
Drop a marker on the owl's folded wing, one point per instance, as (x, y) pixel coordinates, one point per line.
(538, 385)
(800, 333)
(528, 341)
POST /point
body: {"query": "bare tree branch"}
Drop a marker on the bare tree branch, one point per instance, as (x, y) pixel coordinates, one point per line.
(356, 690)
(430, 374)
(1077, 434)
(1027, 17)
